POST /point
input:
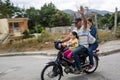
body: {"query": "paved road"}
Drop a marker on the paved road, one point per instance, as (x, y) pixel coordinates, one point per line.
(29, 68)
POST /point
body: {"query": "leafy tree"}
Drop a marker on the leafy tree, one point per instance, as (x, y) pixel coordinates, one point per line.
(51, 17)
(111, 20)
(61, 19)
(112, 17)
(19, 13)
(107, 15)
(34, 17)
(6, 9)
(46, 13)
(103, 21)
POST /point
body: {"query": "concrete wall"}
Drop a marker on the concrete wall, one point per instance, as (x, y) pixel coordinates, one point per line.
(4, 26)
(62, 29)
(3, 29)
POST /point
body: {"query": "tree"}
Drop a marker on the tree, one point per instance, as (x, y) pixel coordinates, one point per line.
(106, 20)
(34, 17)
(111, 20)
(61, 19)
(19, 13)
(6, 9)
(51, 17)
(103, 21)
(46, 14)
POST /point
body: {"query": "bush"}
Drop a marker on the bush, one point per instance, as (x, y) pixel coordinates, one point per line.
(45, 36)
(26, 34)
(39, 28)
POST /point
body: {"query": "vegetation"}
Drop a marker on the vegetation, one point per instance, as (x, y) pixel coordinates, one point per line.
(45, 41)
(49, 16)
(108, 20)
(105, 35)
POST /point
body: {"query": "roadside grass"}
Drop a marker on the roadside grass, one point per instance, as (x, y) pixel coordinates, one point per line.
(105, 35)
(46, 41)
(32, 44)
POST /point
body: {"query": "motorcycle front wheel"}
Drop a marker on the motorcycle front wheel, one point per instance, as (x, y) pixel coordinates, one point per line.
(48, 73)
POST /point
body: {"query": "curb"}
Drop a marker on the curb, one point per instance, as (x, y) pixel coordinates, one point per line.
(26, 53)
(109, 52)
(46, 54)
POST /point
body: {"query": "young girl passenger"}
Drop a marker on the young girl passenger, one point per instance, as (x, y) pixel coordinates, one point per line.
(72, 43)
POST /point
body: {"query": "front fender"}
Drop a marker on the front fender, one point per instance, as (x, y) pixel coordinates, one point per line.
(56, 64)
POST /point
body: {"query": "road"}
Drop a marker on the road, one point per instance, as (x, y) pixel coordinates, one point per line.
(29, 68)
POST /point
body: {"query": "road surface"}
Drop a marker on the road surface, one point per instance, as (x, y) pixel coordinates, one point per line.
(29, 68)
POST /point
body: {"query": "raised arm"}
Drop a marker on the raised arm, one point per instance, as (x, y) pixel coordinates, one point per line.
(81, 11)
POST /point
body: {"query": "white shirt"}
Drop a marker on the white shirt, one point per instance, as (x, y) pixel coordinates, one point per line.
(83, 36)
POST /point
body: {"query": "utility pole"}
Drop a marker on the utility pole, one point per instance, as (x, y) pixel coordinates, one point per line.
(87, 14)
(96, 22)
(115, 21)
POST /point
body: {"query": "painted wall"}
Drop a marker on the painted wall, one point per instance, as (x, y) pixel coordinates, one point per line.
(4, 26)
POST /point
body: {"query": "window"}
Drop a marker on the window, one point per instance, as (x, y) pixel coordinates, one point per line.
(16, 27)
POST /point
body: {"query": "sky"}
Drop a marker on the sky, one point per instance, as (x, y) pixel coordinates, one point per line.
(108, 5)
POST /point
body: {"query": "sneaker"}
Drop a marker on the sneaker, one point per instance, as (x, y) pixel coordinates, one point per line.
(90, 67)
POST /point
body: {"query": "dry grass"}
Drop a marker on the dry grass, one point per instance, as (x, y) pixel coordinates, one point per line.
(104, 36)
(32, 44)
(46, 42)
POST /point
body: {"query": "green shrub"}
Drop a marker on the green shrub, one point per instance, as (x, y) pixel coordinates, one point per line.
(26, 34)
(39, 28)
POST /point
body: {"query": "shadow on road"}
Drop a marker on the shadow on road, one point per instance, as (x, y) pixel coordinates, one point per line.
(94, 76)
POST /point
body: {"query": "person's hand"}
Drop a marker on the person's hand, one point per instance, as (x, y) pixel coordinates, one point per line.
(88, 27)
(81, 11)
(64, 44)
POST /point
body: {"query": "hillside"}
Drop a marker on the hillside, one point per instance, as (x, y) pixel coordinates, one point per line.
(90, 11)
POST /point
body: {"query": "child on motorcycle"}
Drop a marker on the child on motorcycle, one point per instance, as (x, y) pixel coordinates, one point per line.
(72, 43)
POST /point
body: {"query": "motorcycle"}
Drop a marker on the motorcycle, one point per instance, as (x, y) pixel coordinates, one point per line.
(54, 69)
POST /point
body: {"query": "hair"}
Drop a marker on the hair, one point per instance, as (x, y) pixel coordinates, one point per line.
(90, 20)
(75, 34)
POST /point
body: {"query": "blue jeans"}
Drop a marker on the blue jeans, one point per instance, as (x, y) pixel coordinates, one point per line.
(91, 48)
(76, 53)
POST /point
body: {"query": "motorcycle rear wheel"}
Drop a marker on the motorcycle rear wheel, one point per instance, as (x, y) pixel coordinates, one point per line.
(94, 67)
